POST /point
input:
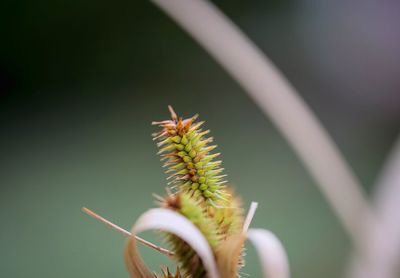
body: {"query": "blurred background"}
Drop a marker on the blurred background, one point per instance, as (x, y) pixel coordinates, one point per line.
(81, 81)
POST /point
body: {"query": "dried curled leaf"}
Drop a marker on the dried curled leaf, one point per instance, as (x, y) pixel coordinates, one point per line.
(134, 262)
(229, 256)
(174, 223)
(272, 255)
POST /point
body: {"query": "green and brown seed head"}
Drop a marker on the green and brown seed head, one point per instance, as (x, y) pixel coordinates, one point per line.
(199, 194)
(187, 153)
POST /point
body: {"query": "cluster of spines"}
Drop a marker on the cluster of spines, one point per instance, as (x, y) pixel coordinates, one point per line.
(187, 154)
(228, 219)
(190, 263)
(167, 274)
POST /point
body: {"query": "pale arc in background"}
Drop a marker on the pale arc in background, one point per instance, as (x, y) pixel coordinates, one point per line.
(381, 253)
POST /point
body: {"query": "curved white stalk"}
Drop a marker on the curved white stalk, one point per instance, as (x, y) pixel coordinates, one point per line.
(271, 253)
(280, 101)
(172, 222)
(381, 256)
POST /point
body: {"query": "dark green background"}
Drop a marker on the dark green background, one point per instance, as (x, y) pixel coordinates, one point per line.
(80, 83)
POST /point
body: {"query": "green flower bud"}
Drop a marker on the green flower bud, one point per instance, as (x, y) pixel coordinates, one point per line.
(192, 153)
(184, 140)
(179, 147)
(187, 159)
(179, 166)
(208, 194)
(176, 139)
(188, 147)
(203, 186)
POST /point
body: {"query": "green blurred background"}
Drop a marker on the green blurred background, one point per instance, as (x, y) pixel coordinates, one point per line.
(81, 81)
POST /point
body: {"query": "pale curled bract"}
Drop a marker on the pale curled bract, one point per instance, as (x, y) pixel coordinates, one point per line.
(271, 253)
(273, 258)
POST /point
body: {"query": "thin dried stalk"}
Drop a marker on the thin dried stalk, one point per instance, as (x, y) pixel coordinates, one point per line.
(280, 101)
(126, 233)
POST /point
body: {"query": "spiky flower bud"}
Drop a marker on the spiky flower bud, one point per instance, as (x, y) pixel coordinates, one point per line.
(202, 219)
(187, 152)
(199, 191)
